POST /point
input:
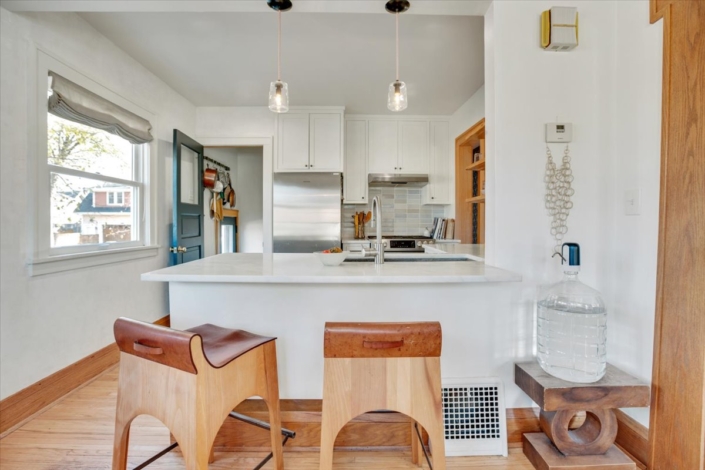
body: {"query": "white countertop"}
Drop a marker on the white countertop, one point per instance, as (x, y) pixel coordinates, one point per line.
(306, 268)
(475, 252)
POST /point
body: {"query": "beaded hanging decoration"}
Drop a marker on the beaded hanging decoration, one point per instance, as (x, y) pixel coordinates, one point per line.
(559, 190)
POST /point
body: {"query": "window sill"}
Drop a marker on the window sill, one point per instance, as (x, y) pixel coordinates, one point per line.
(55, 264)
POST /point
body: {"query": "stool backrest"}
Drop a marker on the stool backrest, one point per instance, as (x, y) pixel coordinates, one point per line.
(419, 339)
(155, 343)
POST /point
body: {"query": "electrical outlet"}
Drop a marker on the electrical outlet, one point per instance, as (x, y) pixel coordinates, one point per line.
(632, 202)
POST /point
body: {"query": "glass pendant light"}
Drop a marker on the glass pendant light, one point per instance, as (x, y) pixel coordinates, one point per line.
(397, 99)
(279, 91)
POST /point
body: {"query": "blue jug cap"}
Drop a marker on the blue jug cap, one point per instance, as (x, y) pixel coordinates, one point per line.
(573, 258)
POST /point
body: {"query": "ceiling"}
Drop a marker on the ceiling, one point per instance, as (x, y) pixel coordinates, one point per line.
(329, 59)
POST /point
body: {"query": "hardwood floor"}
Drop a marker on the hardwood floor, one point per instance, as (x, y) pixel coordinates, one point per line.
(77, 434)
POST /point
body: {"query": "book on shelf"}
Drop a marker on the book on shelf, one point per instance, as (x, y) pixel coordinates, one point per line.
(450, 229)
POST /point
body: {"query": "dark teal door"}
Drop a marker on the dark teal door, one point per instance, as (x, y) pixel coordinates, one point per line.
(187, 229)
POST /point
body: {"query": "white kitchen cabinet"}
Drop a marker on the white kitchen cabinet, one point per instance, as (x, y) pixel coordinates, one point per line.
(413, 147)
(310, 141)
(439, 188)
(355, 173)
(382, 146)
(326, 149)
(293, 142)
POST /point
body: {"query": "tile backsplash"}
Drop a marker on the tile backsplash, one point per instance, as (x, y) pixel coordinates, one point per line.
(402, 213)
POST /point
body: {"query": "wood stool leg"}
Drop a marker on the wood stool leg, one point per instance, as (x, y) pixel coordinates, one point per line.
(124, 414)
(272, 400)
(336, 406)
(121, 442)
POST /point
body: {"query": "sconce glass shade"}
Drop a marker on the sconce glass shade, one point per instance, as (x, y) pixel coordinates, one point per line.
(279, 97)
(397, 100)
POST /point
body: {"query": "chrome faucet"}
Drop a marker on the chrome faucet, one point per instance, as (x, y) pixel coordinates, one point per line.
(377, 218)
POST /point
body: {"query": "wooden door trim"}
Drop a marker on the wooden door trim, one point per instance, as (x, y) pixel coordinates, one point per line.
(677, 421)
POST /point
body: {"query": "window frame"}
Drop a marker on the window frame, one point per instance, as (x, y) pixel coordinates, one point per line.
(47, 259)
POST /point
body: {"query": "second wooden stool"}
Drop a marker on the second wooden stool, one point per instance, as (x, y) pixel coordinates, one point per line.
(383, 366)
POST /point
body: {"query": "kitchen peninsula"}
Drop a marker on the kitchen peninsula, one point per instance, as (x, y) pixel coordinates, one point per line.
(291, 296)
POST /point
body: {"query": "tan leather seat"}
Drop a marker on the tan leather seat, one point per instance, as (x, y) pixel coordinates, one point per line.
(173, 347)
(416, 339)
(222, 345)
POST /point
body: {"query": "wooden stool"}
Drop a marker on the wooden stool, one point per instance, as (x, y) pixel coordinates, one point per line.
(592, 444)
(191, 381)
(383, 366)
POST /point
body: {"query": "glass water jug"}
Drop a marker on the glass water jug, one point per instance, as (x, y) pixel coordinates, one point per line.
(571, 329)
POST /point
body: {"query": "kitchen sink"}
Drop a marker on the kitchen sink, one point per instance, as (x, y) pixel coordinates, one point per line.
(408, 259)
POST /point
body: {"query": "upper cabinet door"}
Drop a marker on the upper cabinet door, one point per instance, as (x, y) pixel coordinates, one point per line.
(413, 147)
(293, 142)
(355, 176)
(382, 145)
(326, 142)
(440, 174)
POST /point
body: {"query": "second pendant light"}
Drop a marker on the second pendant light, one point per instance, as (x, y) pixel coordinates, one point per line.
(397, 99)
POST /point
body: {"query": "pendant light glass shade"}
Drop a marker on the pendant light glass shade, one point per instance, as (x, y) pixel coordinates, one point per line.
(396, 100)
(279, 97)
(279, 91)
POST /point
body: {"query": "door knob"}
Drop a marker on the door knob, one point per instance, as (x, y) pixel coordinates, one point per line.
(178, 249)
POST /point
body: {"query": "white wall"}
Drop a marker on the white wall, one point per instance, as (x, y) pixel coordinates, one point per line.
(51, 321)
(468, 114)
(608, 88)
(629, 281)
(249, 198)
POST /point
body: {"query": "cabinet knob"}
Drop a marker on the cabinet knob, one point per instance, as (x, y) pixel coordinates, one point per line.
(363, 197)
(433, 197)
(311, 165)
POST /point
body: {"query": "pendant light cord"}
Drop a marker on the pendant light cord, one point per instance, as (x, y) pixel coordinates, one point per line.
(397, 21)
(279, 46)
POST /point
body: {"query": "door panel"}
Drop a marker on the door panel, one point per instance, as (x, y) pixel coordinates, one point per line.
(383, 139)
(326, 140)
(293, 142)
(187, 228)
(413, 147)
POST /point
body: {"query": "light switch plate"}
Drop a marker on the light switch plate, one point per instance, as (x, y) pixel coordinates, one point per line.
(632, 202)
(559, 132)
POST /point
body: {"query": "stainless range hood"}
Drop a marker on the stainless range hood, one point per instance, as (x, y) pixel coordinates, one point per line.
(387, 180)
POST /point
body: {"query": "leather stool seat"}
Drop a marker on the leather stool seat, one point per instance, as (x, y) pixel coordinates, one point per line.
(222, 345)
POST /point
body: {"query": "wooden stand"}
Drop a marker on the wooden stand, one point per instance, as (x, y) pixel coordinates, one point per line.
(591, 446)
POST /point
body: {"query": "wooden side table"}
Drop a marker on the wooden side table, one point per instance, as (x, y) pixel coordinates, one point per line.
(591, 446)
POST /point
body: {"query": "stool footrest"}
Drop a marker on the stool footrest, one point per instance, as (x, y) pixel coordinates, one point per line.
(287, 433)
(423, 447)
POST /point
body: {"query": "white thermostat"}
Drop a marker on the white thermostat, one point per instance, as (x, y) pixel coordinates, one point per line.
(559, 132)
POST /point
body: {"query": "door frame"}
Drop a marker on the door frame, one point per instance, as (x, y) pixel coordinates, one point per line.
(677, 421)
(267, 176)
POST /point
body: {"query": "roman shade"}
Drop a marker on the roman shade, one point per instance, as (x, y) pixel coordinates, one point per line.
(74, 103)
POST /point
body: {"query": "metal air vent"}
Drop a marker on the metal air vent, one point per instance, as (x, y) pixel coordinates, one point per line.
(474, 417)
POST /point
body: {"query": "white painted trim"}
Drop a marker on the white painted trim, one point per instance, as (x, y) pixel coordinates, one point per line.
(419, 7)
(55, 264)
(267, 176)
(393, 117)
(145, 196)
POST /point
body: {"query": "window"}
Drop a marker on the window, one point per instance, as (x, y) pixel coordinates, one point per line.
(94, 197)
(90, 171)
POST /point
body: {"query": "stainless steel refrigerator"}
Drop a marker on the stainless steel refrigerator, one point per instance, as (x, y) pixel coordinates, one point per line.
(307, 212)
